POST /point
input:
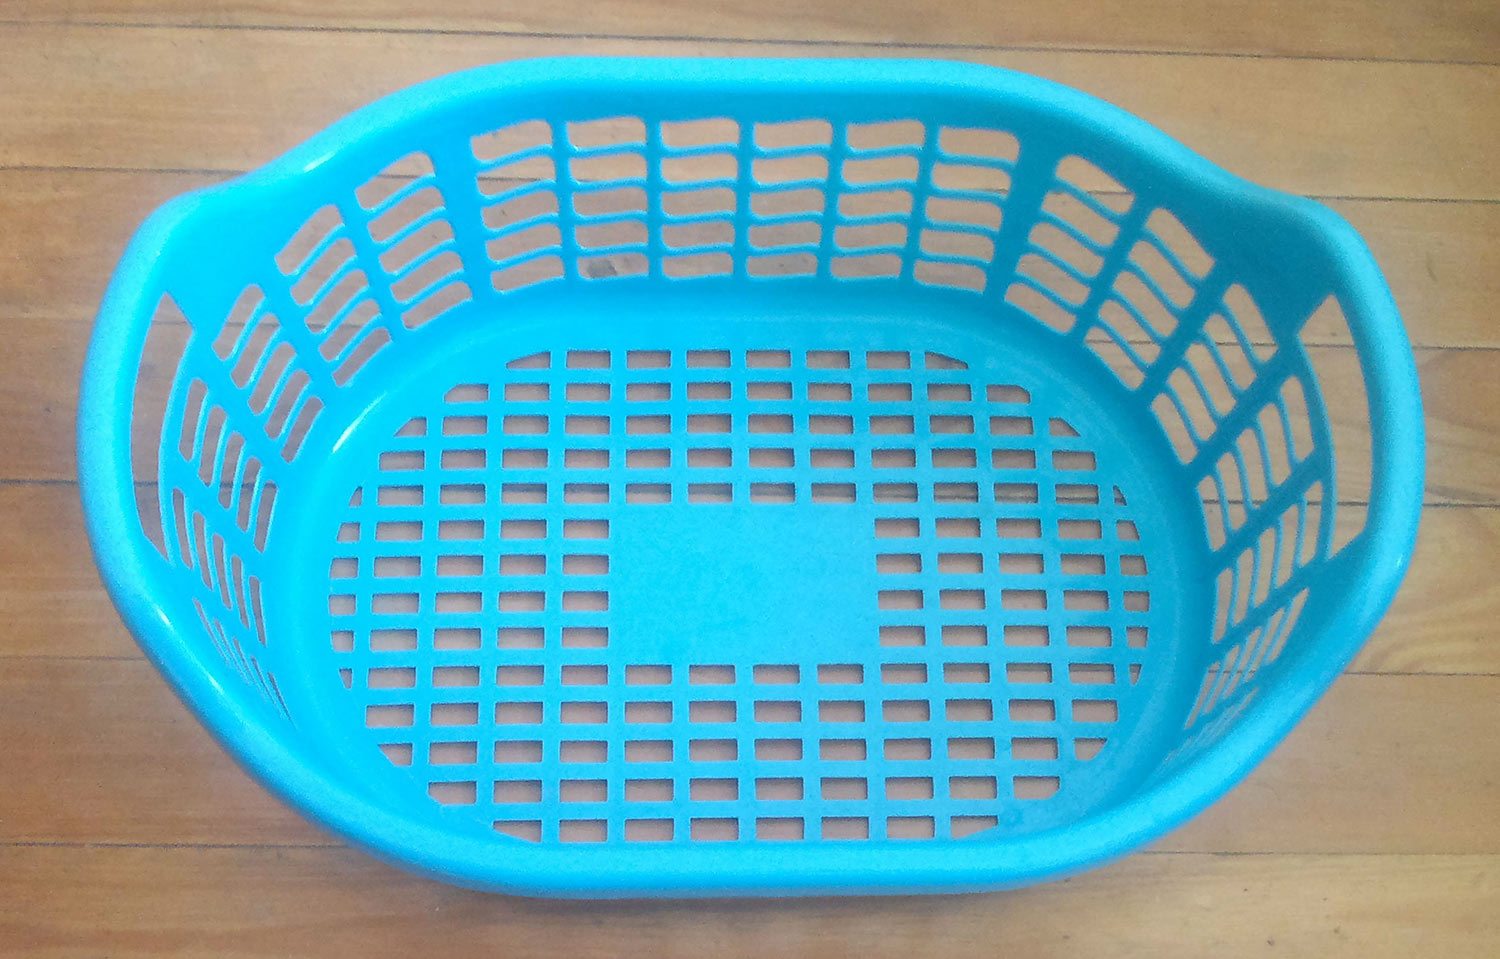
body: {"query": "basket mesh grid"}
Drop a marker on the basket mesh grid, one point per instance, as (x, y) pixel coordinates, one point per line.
(574, 731)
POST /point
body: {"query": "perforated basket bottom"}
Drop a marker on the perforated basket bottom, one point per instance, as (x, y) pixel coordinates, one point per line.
(673, 577)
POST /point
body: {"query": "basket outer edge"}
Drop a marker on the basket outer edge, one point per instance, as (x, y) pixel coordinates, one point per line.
(1370, 569)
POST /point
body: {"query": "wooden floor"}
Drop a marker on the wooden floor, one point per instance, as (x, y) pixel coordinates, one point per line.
(1373, 831)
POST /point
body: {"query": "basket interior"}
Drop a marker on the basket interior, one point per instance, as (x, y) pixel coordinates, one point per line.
(692, 473)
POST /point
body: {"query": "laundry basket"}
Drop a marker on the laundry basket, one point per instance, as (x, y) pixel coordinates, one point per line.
(656, 477)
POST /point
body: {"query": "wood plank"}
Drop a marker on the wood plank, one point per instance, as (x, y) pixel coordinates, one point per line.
(1442, 261)
(185, 99)
(67, 231)
(101, 751)
(1460, 393)
(70, 226)
(1443, 619)
(51, 599)
(1465, 30)
(1382, 763)
(66, 902)
(52, 602)
(39, 374)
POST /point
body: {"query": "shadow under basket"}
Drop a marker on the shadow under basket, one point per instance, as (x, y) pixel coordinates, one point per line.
(642, 477)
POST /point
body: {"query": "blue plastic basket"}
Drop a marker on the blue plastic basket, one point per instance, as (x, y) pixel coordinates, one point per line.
(643, 477)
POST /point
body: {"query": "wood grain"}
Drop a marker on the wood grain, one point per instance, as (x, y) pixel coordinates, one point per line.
(101, 751)
(1460, 394)
(51, 600)
(1443, 619)
(232, 99)
(70, 226)
(1462, 30)
(75, 902)
(1442, 261)
(68, 229)
(1397, 764)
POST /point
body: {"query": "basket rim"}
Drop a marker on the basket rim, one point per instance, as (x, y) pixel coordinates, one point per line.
(1368, 571)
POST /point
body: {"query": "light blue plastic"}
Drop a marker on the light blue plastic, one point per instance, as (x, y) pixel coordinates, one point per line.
(848, 567)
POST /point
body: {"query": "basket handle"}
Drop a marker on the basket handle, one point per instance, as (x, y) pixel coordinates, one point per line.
(1375, 559)
(106, 401)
